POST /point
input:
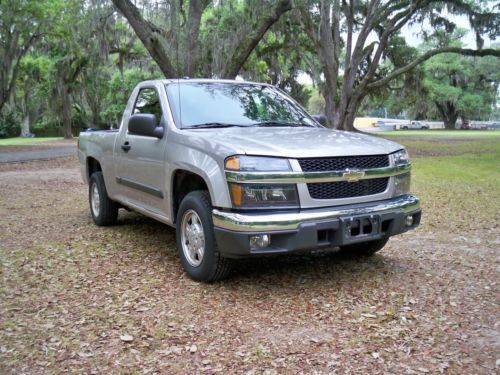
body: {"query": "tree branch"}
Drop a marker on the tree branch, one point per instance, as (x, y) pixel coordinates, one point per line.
(462, 51)
(150, 35)
(247, 45)
(309, 27)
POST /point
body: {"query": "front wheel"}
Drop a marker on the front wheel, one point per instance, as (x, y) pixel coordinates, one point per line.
(196, 240)
(104, 211)
(364, 249)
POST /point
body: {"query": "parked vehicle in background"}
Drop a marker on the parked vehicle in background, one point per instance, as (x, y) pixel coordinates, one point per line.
(415, 125)
(465, 125)
(240, 170)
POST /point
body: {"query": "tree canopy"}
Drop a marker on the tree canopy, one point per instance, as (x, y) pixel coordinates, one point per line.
(70, 64)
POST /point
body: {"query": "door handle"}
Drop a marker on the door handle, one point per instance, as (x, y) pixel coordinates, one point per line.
(126, 146)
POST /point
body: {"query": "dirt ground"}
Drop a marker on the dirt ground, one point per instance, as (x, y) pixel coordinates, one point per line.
(81, 299)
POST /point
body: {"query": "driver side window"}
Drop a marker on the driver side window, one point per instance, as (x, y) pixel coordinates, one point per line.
(148, 102)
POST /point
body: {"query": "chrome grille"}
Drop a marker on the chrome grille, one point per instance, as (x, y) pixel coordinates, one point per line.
(343, 162)
(344, 189)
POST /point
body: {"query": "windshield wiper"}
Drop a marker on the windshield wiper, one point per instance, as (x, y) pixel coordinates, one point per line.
(213, 125)
(278, 123)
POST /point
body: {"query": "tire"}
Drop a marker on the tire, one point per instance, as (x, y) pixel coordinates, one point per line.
(196, 239)
(363, 249)
(104, 211)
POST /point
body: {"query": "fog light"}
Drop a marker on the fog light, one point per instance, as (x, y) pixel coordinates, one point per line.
(260, 241)
(409, 220)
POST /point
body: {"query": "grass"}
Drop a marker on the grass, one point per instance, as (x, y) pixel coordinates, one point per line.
(444, 133)
(20, 141)
(469, 170)
(449, 147)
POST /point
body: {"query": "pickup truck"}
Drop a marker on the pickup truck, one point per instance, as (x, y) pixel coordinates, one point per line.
(415, 125)
(240, 169)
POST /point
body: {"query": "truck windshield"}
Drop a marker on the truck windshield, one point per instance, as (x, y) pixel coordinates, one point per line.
(221, 104)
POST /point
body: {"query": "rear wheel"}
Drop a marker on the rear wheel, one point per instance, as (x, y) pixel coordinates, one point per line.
(364, 249)
(196, 240)
(104, 211)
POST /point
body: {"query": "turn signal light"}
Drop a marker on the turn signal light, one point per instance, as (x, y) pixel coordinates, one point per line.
(233, 163)
(236, 194)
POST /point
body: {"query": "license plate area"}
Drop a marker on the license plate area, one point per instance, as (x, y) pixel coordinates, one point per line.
(360, 228)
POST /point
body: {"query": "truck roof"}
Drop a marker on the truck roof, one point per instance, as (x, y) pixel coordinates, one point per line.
(204, 80)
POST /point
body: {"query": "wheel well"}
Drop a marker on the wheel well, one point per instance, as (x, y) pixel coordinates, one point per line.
(93, 166)
(185, 182)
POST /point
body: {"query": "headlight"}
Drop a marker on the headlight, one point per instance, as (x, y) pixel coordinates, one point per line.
(257, 163)
(401, 157)
(261, 195)
(258, 196)
(402, 184)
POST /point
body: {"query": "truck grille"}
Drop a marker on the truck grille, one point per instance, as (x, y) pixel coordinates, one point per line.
(345, 189)
(343, 162)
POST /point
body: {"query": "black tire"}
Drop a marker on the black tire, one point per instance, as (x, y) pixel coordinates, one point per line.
(107, 211)
(213, 266)
(363, 249)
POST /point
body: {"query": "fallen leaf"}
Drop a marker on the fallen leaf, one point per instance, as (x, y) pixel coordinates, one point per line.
(126, 338)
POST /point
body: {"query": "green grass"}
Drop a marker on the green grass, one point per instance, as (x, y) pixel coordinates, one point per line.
(19, 141)
(452, 147)
(466, 170)
(444, 133)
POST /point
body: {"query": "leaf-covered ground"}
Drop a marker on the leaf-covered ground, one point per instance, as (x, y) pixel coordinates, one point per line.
(78, 298)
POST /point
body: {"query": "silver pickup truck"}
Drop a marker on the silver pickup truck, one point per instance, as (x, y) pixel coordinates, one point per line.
(240, 169)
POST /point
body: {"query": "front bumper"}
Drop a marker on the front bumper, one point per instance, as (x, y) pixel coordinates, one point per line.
(314, 228)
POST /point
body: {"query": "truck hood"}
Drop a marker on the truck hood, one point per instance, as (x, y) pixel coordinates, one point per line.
(293, 142)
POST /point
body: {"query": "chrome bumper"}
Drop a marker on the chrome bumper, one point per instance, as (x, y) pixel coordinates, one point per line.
(265, 221)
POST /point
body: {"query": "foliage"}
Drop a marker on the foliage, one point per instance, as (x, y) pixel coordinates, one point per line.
(22, 24)
(9, 123)
(118, 90)
(76, 62)
(361, 51)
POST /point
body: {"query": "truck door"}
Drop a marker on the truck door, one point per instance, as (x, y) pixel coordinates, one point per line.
(141, 159)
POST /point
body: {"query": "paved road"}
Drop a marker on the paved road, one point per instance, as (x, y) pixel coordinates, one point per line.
(49, 153)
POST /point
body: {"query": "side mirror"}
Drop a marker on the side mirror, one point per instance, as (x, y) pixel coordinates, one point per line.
(320, 118)
(145, 124)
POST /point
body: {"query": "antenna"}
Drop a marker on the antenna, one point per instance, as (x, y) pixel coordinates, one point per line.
(177, 65)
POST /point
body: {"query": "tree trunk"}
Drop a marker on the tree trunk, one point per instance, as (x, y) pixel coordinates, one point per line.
(329, 61)
(66, 111)
(448, 113)
(330, 113)
(346, 113)
(449, 123)
(157, 41)
(196, 8)
(25, 125)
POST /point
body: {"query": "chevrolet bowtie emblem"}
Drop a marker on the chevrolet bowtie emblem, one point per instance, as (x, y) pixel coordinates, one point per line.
(353, 175)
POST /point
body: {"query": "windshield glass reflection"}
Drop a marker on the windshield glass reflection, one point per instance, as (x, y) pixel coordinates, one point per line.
(219, 104)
